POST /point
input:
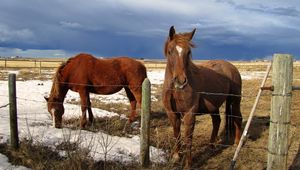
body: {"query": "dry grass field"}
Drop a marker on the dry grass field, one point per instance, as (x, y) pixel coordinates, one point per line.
(252, 156)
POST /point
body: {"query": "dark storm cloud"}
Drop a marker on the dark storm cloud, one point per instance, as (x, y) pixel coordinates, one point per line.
(225, 28)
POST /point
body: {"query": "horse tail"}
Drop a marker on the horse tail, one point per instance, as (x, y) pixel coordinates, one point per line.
(233, 118)
(229, 125)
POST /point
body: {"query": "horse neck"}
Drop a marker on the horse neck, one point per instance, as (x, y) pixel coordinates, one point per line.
(58, 91)
(189, 69)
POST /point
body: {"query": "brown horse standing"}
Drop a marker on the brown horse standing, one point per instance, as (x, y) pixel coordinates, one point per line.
(187, 91)
(86, 74)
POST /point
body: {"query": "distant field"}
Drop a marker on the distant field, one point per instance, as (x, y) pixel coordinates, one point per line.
(53, 63)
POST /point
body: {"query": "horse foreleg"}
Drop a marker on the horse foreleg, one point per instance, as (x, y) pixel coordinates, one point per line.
(189, 124)
(176, 123)
(216, 120)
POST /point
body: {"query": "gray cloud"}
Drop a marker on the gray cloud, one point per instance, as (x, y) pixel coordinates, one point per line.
(8, 34)
(284, 8)
(139, 28)
(284, 11)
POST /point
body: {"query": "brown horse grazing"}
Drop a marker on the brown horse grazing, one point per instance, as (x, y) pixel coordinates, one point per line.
(86, 74)
(188, 89)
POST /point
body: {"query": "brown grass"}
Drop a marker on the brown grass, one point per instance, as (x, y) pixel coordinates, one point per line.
(252, 156)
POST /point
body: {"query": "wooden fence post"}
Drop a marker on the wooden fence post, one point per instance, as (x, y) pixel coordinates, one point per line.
(244, 135)
(40, 68)
(14, 137)
(282, 77)
(145, 123)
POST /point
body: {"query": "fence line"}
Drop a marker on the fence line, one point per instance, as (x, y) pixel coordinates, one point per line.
(219, 145)
(21, 117)
(244, 134)
(138, 109)
(54, 63)
(5, 105)
(294, 125)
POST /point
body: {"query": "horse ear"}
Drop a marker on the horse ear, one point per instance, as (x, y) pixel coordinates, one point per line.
(46, 98)
(172, 32)
(190, 35)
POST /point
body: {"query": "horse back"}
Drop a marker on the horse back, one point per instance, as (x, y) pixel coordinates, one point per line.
(222, 71)
(102, 76)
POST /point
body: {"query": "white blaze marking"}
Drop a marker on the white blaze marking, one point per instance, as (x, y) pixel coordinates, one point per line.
(53, 117)
(53, 121)
(179, 49)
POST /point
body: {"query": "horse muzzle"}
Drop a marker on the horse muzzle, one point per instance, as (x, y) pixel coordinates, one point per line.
(180, 84)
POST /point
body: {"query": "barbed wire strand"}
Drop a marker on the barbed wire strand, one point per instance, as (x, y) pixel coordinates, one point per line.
(5, 105)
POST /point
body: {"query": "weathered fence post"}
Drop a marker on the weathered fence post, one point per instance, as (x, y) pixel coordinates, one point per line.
(40, 68)
(251, 115)
(145, 123)
(282, 77)
(14, 137)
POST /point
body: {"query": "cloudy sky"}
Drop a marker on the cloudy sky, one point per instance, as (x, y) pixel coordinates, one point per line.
(226, 29)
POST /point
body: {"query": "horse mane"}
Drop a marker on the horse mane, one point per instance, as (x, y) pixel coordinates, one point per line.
(57, 79)
(180, 39)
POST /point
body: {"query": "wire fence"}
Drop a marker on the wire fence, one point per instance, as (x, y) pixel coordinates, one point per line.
(256, 144)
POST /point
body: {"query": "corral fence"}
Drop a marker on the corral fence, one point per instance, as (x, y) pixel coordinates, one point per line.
(282, 76)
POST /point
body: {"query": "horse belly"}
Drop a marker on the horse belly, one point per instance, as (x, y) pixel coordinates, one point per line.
(106, 90)
(210, 106)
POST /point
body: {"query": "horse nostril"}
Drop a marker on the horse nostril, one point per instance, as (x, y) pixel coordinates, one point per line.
(180, 83)
(175, 79)
(184, 81)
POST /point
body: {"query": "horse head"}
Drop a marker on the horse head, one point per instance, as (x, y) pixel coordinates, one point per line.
(178, 54)
(56, 110)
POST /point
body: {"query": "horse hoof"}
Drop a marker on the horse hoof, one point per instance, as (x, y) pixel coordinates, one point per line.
(135, 125)
(83, 126)
(212, 146)
(187, 167)
(175, 158)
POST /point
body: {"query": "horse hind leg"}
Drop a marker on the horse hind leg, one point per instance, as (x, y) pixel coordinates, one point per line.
(89, 108)
(133, 103)
(237, 119)
(216, 120)
(233, 120)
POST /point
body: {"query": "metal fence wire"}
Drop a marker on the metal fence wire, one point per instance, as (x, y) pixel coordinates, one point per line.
(253, 154)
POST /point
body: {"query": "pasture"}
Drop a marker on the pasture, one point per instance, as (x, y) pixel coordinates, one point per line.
(36, 154)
